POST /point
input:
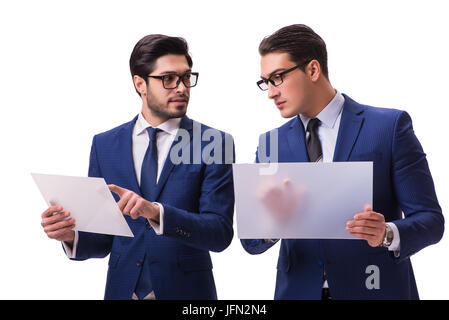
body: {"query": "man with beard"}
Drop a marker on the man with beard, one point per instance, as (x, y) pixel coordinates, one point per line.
(177, 211)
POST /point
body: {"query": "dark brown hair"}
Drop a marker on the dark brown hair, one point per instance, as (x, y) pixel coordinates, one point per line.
(152, 47)
(300, 42)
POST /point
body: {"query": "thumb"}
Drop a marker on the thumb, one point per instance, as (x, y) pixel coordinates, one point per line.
(368, 208)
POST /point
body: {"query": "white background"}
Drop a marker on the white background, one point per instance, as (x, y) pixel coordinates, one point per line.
(64, 77)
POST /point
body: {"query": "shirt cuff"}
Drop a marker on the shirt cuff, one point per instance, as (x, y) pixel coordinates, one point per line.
(71, 251)
(396, 243)
(158, 227)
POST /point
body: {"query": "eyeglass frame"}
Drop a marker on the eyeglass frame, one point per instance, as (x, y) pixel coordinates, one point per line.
(180, 78)
(281, 75)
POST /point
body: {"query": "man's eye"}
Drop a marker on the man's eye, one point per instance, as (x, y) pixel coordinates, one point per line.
(169, 77)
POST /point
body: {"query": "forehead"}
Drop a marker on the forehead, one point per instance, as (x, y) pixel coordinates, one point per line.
(274, 62)
(171, 63)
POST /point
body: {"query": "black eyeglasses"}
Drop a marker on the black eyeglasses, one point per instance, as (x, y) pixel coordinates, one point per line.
(172, 80)
(277, 78)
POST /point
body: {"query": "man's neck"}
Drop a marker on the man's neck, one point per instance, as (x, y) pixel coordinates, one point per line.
(151, 118)
(321, 98)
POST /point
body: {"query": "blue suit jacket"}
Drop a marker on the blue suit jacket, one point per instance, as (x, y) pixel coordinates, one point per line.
(198, 202)
(402, 183)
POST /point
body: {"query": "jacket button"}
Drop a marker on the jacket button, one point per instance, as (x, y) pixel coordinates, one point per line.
(139, 263)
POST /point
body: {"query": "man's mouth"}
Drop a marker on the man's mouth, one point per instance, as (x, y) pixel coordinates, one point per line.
(178, 100)
(279, 104)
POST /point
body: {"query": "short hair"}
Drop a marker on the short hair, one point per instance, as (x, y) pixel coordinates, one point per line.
(152, 47)
(300, 42)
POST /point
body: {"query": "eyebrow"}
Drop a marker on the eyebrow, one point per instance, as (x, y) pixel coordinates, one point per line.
(274, 72)
(174, 72)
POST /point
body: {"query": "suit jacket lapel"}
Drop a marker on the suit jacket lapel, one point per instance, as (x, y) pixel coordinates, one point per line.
(350, 125)
(296, 142)
(125, 142)
(185, 124)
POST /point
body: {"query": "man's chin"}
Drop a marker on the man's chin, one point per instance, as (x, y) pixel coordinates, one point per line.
(178, 113)
(287, 114)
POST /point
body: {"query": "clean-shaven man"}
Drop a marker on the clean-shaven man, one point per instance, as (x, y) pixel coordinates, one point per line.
(328, 126)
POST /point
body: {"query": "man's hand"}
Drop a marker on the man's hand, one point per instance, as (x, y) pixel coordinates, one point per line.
(281, 201)
(134, 205)
(368, 225)
(58, 225)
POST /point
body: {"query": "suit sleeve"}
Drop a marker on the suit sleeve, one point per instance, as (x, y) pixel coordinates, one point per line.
(423, 222)
(93, 245)
(257, 246)
(211, 228)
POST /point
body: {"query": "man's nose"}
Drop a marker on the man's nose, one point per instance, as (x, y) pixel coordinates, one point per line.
(181, 88)
(273, 91)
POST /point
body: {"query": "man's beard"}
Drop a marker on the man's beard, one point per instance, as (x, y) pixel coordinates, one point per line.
(161, 110)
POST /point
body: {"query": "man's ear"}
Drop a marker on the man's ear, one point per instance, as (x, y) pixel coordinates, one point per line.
(313, 70)
(140, 85)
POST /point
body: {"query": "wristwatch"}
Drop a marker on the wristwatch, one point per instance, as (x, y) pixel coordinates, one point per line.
(388, 236)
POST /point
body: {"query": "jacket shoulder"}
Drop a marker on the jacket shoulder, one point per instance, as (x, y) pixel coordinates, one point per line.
(371, 111)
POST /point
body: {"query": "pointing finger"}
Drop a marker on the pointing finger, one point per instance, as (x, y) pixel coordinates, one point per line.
(116, 189)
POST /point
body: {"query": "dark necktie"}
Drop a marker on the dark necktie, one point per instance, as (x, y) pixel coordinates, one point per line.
(148, 181)
(316, 154)
(313, 142)
(148, 176)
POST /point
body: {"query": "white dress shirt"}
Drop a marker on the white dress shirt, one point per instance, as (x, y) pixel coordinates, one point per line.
(141, 141)
(330, 118)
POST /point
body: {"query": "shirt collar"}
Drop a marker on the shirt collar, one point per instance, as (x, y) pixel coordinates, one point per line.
(328, 116)
(170, 126)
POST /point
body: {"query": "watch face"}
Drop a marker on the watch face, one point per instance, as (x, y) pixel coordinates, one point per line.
(389, 234)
